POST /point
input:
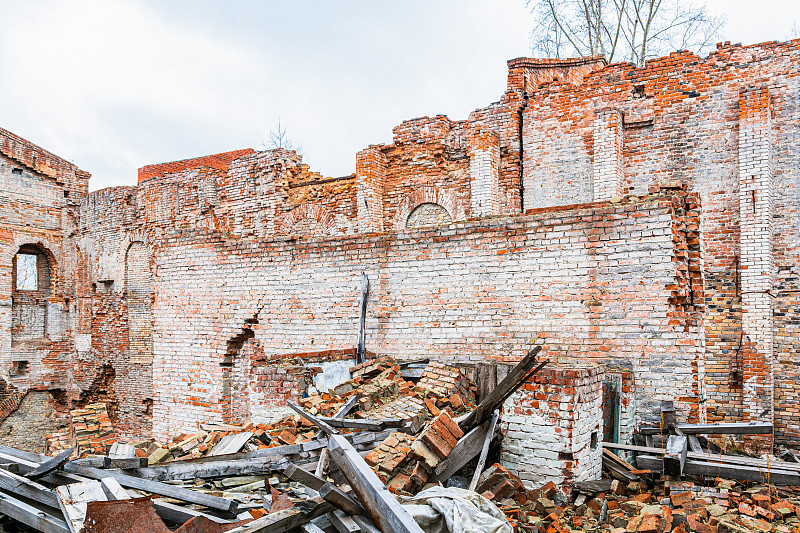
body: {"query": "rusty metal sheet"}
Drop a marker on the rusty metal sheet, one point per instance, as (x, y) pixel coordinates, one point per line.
(202, 524)
(123, 516)
(280, 501)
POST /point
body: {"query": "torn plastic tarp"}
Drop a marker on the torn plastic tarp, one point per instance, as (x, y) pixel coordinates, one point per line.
(454, 510)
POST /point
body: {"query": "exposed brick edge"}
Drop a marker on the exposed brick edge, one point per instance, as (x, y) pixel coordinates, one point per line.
(216, 161)
(10, 404)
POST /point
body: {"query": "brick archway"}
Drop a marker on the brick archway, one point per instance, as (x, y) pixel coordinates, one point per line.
(428, 195)
(304, 217)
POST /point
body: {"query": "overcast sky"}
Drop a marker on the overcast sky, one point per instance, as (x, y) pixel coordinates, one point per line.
(115, 85)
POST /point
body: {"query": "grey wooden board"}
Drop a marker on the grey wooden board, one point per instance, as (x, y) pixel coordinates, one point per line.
(311, 528)
(50, 465)
(73, 499)
(675, 455)
(467, 447)
(323, 426)
(365, 524)
(22, 454)
(155, 487)
(210, 469)
(334, 495)
(231, 444)
(179, 514)
(343, 522)
(113, 489)
(288, 519)
(121, 451)
(21, 486)
(295, 473)
(727, 471)
(694, 444)
(492, 401)
(31, 516)
(487, 440)
(385, 510)
(712, 457)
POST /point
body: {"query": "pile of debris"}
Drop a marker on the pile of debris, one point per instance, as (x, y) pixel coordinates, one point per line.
(306, 470)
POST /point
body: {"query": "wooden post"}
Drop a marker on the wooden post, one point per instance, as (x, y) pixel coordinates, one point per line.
(385, 510)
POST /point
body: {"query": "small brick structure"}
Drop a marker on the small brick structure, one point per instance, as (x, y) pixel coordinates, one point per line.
(552, 428)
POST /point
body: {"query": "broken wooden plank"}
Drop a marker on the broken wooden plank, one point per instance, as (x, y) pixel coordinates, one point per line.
(518, 375)
(675, 455)
(288, 519)
(21, 486)
(361, 348)
(50, 465)
(467, 447)
(485, 450)
(336, 496)
(72, 500)
(790, 457)
(180, 514)
(209, 469)
(313, 419)
(322, 464)
(694, 444)
(707, 456)
(368, 424)
(381, 505)
(231, 444)
(726, 471)
(295, 473)
(737, 428)
(154, 487)
(121, 451)
(343, 522)
(31, 516)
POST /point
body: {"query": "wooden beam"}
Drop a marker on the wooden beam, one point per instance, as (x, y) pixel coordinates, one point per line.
(361, 349)
(467, 447)
(675, 455)
(343, 522)
(336, 496)
(727, 471)
(31, 516)
(364, 423)
(485, 450)
(385, 510)
(72, 499)
(495, 398)
(313, 419)
(21, 486)
(324, 456)
(712, 457)
(209, 469)
(154, 487)
(295, 473)
(50, 465)
(288, 519)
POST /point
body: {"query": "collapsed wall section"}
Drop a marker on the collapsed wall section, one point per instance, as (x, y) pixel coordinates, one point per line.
(595, 282)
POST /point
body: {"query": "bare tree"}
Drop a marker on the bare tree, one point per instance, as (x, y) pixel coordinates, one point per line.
(279, 138)
(621, 30)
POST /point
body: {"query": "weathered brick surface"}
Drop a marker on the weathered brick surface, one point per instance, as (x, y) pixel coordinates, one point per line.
(474, 291)
(192, 285)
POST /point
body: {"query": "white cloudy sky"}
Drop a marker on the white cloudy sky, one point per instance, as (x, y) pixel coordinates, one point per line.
(113, 85)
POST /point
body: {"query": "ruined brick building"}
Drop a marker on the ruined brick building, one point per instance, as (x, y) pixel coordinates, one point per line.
(641, 224)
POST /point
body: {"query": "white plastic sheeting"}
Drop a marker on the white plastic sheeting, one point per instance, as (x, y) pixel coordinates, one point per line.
(333, 373)
(454, 510)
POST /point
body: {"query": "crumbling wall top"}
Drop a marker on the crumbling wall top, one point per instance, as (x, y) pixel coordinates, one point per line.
(218, 162)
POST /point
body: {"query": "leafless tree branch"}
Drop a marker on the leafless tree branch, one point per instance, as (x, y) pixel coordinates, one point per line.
(634, 29)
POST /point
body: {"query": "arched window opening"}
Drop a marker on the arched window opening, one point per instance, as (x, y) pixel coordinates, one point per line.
(428, 214)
